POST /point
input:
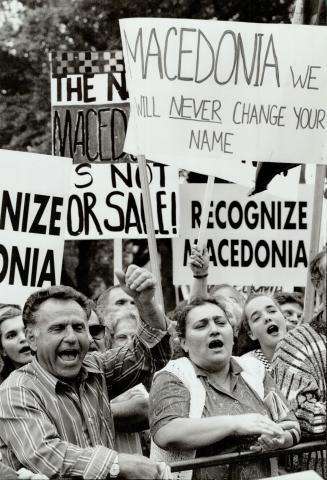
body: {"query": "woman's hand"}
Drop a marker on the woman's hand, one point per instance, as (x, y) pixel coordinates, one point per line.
(199, 262)
(254, 423)
(268, 442)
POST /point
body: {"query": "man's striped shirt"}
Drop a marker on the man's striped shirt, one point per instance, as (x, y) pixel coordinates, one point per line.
(299, 368)
(49, 427)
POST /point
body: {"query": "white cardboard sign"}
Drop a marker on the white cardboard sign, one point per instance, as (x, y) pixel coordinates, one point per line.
(260, 240)
(107, 201)
(90, 106)
(33, 202)
(206, 95)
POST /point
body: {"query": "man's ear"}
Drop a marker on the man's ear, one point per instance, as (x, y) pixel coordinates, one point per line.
(31, 335)
(182, 342)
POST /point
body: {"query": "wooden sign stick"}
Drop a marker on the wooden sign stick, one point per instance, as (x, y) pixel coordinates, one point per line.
(118, 257)
(314, 240)
(205, 212)
(154, 261)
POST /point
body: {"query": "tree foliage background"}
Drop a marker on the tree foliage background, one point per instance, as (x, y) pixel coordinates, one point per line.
(30, 29)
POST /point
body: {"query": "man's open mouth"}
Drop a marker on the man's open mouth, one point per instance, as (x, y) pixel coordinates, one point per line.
(272, 329)
(215, 344)
(68, 355)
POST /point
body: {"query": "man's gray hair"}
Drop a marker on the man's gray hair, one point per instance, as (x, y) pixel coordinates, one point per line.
(60, 292)
(102, 302)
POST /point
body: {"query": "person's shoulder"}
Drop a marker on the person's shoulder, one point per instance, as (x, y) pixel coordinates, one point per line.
(165, 376)
(300, 344)
(249, 363)
(303, 334)
(169, 376)
(94, 363)
(19, 376)
(250, 354)
(249, 359)
(23, 377)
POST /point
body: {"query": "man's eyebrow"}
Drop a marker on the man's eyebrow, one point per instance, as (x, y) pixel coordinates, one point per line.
(57, 324)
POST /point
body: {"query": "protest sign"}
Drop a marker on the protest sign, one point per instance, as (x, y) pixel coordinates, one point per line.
(107, 201)
(206, 95)
(33, 202)
(261, 240)
(90, 109)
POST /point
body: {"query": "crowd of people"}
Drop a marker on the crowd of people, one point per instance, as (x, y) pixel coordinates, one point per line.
(114, 388)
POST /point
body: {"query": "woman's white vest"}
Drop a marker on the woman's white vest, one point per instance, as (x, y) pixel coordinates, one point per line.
(253, 373)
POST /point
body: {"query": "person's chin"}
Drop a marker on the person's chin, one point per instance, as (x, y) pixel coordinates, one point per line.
(25, 357)
(68, 374)
(290, 326)
(67, 368)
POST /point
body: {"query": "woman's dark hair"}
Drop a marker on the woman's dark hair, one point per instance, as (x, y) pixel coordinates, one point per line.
(182, 311)
(7, 311)
(289, 297)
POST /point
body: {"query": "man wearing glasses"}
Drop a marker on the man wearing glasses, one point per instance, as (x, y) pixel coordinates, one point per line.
(97, 338)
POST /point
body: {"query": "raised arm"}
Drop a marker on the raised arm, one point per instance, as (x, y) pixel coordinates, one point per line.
(140, 284)
(150, 349)
(199, 264)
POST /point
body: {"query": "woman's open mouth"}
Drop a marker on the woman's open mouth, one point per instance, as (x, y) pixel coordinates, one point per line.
(215, 344)
(25, 349)
(273, 330)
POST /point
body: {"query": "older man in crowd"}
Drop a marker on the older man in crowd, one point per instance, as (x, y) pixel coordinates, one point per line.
(117, 311)
(130, 409)
(113, 300)
(55, 414)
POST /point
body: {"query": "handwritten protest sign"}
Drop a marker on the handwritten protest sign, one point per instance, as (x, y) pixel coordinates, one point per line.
(207, 94)
(261, 240)
(89, 105)
(33, 201)
(107, 201)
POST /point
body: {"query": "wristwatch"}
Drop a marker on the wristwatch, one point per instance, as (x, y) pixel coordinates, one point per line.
(114, 469)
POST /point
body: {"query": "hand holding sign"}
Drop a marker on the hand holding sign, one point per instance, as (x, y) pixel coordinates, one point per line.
(199, 262)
